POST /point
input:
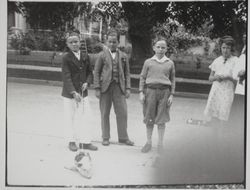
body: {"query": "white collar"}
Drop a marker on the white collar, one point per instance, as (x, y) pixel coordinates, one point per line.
(112, 52)
(163, 59)
(76, 53)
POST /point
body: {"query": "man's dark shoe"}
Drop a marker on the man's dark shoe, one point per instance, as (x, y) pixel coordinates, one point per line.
(72, 146)
(88, 146)
(105, 142)
(146, 148)
(127, 142)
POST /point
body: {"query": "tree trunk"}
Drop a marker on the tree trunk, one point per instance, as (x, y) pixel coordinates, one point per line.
(237, 31)
(141, 50)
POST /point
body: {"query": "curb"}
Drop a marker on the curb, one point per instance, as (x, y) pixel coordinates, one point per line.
(134, 76)
(133, 90)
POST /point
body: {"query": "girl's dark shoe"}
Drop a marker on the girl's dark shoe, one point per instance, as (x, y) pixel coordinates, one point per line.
(72, 146)
(146, 148)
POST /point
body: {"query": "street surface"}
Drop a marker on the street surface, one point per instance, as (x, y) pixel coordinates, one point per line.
(37, 153)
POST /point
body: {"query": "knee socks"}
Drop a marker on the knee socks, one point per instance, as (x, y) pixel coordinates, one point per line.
(161, 131)
(149, 133)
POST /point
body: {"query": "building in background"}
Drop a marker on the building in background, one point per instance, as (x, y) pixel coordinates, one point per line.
(17, 21)
(92, 27)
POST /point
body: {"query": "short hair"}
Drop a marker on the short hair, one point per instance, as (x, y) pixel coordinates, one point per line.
(228, 40)
(159, 38)
(72, 33)
(113, 32)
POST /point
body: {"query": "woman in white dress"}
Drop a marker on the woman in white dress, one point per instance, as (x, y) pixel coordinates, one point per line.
(222, 91)
(237, 115)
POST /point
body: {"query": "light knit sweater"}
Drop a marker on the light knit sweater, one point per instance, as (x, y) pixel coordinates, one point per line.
(156, 72)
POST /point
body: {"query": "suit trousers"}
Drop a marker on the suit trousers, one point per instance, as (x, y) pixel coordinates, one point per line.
(77, 120)
(114, 95)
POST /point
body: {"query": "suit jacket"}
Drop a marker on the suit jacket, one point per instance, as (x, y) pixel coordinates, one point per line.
(103, 71)
(74, 73)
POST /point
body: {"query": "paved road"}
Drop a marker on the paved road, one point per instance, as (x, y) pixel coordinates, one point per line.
(37, 153)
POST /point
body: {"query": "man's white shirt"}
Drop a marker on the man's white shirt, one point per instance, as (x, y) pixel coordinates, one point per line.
(77, 54)
(112, 54)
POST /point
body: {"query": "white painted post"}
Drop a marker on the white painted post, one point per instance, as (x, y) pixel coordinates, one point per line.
(20, 22)
(90, 28)
(100, 31)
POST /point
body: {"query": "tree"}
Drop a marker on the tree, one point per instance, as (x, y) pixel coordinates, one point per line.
(224, 17)
(221, 17)
(111, 14)
(52, 15)
(141, 18)
(14, 7)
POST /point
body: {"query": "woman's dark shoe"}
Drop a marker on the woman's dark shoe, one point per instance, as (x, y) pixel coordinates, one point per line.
(72, 146)
(146, 148)
(105, 142)
(127, 142)
(88, 146)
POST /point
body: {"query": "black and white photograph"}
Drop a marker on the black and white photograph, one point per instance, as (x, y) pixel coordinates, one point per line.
(124, 94)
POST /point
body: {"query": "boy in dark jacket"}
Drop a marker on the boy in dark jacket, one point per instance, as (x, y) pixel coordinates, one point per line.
(76, 75)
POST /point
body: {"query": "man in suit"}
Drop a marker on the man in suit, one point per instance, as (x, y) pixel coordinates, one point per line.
(112, 85)
(76, 76)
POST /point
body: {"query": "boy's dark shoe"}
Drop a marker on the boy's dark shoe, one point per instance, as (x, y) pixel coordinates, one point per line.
(72, 146)
(127, 142)
(105, 142)
(88, 146)
(146, 148)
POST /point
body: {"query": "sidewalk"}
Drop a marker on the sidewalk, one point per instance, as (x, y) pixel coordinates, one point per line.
(37, 153)
(184, 86)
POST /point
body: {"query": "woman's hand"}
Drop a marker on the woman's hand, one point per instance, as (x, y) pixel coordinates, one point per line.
(227, 77)
(142, 97)
(214, 77)
(218, 77)
(97, 93)
(127, 93)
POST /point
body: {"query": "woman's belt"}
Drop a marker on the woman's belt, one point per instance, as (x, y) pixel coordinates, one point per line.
(158, 86)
